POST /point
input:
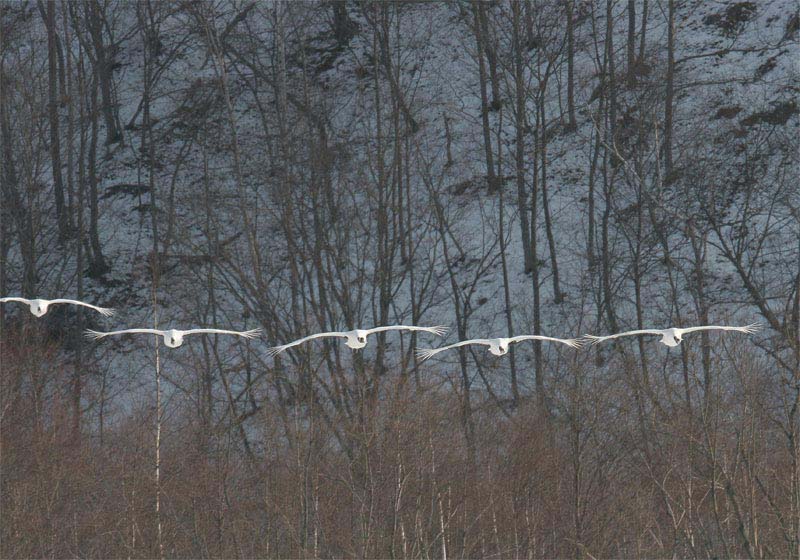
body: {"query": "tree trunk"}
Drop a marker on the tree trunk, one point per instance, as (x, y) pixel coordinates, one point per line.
(668, 109)
(343, 27)
(642, 36)
(591, 251)
(608, 179)
(558, 296)
(512, 362)
(103, 72)
(537, 317)
(631, 43)
(487, 138)
(97, 263)
(383, 269)
(382, 29)
(572, 125)
(519, 160)
(490, 51)
(71, 95)
(5, 245)
(48, 13)
(448, 139)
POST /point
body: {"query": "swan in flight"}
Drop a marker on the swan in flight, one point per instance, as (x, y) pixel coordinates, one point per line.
(357, 338)
(497, 346)
(39, 306)
(673, 335)
(172, 337)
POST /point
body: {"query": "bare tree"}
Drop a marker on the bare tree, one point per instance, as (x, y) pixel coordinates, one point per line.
(520, 125)
(62, 214)
(102, 62)
(480, 39)
(569, 5)
(670, 88)
(631, 43)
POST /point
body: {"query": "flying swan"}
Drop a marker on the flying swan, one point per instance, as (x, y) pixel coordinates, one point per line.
(173, 337)
(39, 306)
(357, 338)
(673, 335)
(497, 346)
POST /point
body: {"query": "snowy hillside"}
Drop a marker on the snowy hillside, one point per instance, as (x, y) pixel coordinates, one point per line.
(311, 148)
(307, 133)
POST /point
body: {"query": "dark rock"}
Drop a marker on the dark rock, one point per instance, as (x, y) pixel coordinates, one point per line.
(733, 18)
(767, 67)
(792, 26)
(778, 115)
(129, 189)
(727, 112)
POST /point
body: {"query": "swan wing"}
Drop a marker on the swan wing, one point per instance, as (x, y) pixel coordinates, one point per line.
(97, 335)
(748, 329)
(278, 349)
(107, 311)
(425, 353)
(438, 330)
(598, 339)
(253, 333)
(19, 299)
(571, 342)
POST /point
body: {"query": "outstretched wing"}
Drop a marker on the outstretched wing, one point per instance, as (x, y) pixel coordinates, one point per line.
(278, 349)
(107, 311)
(253, 333)
(19, 299)
(598, 339)
(748, 329)
(438, 330)
(571, 342)
(97, 335)
(425, 353)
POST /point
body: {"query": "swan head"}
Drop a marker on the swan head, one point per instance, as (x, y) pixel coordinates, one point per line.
(38, 307)
(672, 337)
(357, 339)
(173, 338)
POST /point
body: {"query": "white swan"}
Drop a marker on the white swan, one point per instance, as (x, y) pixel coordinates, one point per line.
(39, 306)
(673, 335)
(497, 346)
(357, 338)
(172, 337)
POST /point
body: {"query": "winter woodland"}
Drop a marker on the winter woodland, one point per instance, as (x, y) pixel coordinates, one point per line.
(502, 168)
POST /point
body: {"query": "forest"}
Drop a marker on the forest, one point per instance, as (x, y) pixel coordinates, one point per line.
(498, 167)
